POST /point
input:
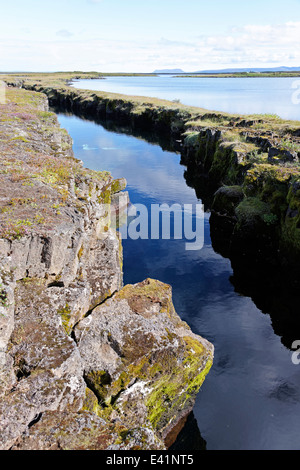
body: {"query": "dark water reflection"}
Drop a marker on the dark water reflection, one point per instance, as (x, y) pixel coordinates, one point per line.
(250, 399)
(189, 439)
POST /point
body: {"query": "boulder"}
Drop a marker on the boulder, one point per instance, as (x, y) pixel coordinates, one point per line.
(140, 359)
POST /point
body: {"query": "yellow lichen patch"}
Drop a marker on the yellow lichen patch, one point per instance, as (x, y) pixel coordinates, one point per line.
(118, 185)
(193, 346)
(150, 288)
(148, 292)
(90, 402)
(65, 314)
(195, 384)
(178, 385)
(279, 173)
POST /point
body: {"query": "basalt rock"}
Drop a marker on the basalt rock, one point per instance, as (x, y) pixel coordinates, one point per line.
(85, 431)
(140, 359)
(277, 155)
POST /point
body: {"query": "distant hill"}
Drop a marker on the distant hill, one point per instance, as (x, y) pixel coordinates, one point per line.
(252, 69)
(249, 69)
(169, 71)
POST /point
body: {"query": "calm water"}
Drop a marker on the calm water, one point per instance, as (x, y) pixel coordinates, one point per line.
(251, 397)
(232, 95)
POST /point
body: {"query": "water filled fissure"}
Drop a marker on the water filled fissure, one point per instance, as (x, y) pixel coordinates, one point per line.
(251, 397)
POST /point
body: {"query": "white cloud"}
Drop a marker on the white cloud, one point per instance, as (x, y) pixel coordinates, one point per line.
(251, 45)
(256, 44)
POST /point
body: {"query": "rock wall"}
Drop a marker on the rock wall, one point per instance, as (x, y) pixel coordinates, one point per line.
(85, 363)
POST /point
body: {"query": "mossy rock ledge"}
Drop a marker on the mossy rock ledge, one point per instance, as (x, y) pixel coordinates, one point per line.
(142, 362)
(126, 381)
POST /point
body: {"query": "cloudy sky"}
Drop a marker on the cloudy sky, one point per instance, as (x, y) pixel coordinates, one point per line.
(140, 36)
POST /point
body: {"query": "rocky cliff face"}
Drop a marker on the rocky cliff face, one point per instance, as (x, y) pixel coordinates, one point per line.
(85, 363)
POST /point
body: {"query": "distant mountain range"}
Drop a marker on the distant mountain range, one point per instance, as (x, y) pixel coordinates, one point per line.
(250, 69)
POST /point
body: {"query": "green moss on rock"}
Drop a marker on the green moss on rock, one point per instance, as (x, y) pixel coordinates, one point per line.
(254, 212)
(226, 199)
(65, 314)
(118, 185)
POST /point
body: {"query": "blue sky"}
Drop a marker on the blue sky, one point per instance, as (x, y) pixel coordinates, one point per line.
(138, 36)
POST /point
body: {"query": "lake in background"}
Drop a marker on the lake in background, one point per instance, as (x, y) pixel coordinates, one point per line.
(251, 397)
(231, 95)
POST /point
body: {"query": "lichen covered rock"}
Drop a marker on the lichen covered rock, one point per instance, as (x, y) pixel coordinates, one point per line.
(85, 431)
(140, 359)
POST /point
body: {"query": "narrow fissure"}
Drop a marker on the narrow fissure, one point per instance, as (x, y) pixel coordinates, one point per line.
(36, 419)
(72, 334)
